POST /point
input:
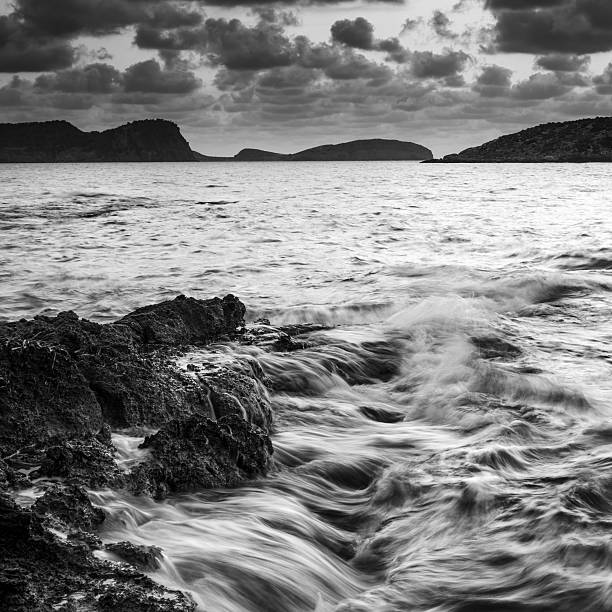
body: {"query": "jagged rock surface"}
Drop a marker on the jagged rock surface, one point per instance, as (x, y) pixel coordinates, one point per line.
(41, 571)
(199, 453)
(68, 376)
(64, 382)
(142, 557)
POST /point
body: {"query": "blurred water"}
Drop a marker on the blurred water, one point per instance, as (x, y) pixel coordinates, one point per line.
(446, 446)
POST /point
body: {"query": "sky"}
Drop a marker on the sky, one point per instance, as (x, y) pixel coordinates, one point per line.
(292, 74)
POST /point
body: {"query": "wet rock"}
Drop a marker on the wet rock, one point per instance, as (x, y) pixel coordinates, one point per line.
(64, 382)
(71, 506)
(185, 321)
(11, 479)
(87, 462)
(198, 453)
(280, 339)
(65, 375)
(41, 571)
(42, 390)
(142, 557)
(143, 599)
(231, 386)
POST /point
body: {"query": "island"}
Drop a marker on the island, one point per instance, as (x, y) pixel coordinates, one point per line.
(158, 140)
(376, 149)
(584, 140)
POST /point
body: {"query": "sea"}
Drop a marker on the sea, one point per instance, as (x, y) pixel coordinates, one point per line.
(446, 443)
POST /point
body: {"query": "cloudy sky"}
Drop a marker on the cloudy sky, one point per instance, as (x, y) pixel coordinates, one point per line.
(291, 74)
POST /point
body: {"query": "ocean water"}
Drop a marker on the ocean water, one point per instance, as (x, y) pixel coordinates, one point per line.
(445, 446)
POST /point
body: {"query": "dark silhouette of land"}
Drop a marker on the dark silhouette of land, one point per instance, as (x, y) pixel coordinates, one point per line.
(376, 149)
(60, 141)
(585, 140)
(157, 140)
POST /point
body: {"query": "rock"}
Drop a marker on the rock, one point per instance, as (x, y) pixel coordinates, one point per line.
(284, 339)
(71, 506)
(198, 453)
(143, 599)
(86, 462)
(10, 478)
(231, 386)
(60, 141)
(41, 571)
(64, 382)
(42, 391)
(586, 140)
(68, 376)
(142, 557)
(186, 320)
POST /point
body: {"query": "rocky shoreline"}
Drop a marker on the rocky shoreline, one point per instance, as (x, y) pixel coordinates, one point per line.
(67, 383)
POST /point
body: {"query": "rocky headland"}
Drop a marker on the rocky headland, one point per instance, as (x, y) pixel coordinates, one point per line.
(585, 140)
(66, 384)
(152, 140)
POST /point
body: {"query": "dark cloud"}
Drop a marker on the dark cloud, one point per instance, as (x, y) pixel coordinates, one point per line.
(559, 62)
(23, 51)
(94, 78)
(425, 64)
(37, 36)
(357, 33)
(497, 76)
(540, 87)
(256, 3)
(240, 47)
(228, 43)
(312, 55)
(552, 26)
(395, 51)
(493, 82)
(349, 66)
(66, 18)
(515, 5)
(149, 77)
(233, 80)
(440, 24)
(170, 16)
(272, 14)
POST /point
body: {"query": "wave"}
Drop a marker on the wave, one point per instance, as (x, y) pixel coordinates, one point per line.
(360, 313)
(597, 259)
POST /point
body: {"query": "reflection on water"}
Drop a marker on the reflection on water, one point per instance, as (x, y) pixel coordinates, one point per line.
(446, 446)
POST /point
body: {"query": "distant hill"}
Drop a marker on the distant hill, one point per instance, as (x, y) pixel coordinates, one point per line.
(585, 140)
(157, 140)
(376, 149)
(60, 141)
